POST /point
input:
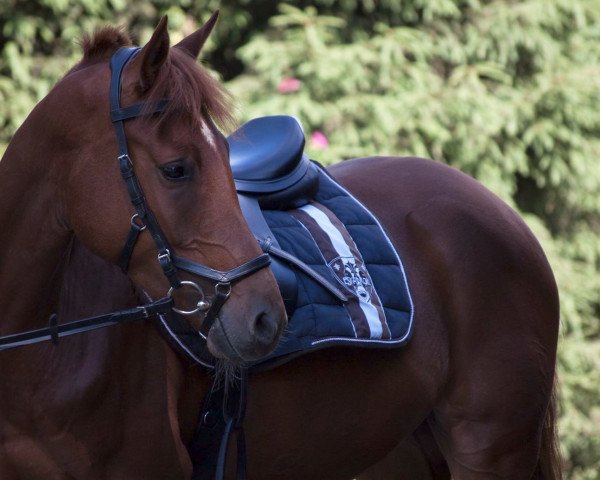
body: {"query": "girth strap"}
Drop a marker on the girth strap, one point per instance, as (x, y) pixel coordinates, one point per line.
(268, 242)
(222, 416)
(286, 278)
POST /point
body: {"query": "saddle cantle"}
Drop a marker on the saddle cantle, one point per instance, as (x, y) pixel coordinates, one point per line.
(267, 154)
(268, 161)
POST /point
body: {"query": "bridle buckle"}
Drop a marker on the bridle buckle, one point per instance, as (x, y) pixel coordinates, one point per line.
(223, 288)
(137, 222)
(125, 156)
(166, 255)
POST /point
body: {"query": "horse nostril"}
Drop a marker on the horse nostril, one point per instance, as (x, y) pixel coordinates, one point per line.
(264, 328)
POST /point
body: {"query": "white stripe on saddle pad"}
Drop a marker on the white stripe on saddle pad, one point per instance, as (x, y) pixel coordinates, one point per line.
(343, 250)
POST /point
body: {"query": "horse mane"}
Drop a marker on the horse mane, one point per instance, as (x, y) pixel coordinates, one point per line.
(192, 91)
(103, 43)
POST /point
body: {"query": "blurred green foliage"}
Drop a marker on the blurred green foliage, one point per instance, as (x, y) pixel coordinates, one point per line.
(508, 92)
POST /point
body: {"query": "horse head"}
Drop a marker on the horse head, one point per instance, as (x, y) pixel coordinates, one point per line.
(181, 163)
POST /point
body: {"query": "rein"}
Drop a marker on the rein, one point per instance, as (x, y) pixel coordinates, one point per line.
(56, 331)
(144, 219)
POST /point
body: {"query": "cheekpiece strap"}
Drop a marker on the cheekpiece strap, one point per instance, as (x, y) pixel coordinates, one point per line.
(212, 314)
(134, 233)
(117, 65)
(136, 194)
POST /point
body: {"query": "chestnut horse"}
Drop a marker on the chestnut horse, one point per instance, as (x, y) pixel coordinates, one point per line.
(62, 180)
(120, 404)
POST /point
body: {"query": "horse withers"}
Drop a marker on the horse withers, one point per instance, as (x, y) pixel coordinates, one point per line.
(478, 371)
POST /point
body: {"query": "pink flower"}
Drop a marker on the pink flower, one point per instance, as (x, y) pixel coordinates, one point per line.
(319, 141)
(289, 85)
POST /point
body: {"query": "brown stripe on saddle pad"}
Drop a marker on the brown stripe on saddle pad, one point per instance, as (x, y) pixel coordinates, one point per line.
(347, 265)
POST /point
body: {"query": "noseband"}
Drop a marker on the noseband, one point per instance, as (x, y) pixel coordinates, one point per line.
(144, 218)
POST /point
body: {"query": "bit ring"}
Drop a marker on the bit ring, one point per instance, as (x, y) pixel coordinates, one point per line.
(200, 306)
(137, 222)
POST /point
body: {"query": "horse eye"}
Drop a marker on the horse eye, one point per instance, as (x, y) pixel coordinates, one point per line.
(175, 171)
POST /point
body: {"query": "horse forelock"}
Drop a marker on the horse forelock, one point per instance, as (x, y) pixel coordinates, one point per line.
(192, 93)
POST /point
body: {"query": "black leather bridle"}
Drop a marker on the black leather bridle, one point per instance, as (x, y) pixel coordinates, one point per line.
(144, 219)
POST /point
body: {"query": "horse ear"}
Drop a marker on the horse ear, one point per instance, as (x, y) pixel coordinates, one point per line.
(153, 55)
(193, 43)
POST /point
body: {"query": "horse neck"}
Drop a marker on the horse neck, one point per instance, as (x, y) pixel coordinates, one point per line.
(33, 242)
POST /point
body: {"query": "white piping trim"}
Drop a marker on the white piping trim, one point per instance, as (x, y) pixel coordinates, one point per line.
(361, 340)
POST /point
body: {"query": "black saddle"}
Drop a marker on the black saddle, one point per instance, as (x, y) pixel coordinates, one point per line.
(272, 172)
(268, 162)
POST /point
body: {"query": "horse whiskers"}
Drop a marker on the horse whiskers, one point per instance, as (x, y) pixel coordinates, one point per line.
(226, 374)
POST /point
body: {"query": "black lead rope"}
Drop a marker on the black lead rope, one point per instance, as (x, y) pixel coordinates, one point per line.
(55, 330)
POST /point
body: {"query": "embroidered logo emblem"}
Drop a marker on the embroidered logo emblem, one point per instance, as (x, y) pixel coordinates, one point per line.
(353, 275)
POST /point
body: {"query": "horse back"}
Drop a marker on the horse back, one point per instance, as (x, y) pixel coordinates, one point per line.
(431, 208)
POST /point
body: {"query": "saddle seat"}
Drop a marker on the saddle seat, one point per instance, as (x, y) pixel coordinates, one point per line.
(267, 156)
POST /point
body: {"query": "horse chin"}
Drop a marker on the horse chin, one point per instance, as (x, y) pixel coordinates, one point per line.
(222, 346)
(225, 344)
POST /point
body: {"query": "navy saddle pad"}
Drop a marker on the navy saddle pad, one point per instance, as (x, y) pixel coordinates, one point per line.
(342, 281)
